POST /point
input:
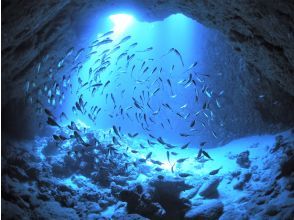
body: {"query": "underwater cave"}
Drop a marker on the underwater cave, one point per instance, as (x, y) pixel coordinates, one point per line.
(147, 109)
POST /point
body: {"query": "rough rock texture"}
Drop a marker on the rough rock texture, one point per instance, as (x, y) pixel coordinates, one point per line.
(262, 31)
(209, 189)
(207, 210)
(30, 190)
(243, 159)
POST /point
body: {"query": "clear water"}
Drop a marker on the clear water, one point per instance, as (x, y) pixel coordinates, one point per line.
(128, 80)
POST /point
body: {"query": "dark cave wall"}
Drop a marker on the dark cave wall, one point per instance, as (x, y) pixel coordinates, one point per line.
(261, 32)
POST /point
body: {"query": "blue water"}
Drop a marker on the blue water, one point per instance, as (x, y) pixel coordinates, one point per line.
(176, 31)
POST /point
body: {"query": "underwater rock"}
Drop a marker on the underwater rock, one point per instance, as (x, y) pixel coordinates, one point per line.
(60, 170)
(65, 188)
(234, 214)
(17, 172)
(12, 211)
(120, 210)
(130, 217)
(244, 178)
(115, 189)
(272, 210)
(243, 159)
(144, 207)
(167, 193)
(34, 171)
(65, 199)
(206, 211)
(120, 180)
(93, 207)
(189, 194)
(285, 157)
(53, 210)
(90, 196)
(209, 189)
(279, 143)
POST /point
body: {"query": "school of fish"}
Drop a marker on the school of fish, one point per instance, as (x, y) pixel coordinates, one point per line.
(150, 77)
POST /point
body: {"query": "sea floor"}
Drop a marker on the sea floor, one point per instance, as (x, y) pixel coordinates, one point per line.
(249, 178)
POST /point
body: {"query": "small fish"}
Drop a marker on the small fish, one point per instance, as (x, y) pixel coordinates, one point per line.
(217, 103)
(206, 154)
(213, 172)
(49, 113)
(184, 175)
(153, 71)
(168, 156)
(202, 143)
(132, 135)
(185, 145)
(133, 45)
(147, 49)
(115, 141)
(148, 156)
(160, 140)
(114, 50)
(105, 41)
(145, 70)
(199, 153)
(95, 85)
(160, 177)
(125, 39)
(181, 160)
(69, 51)
(213, 133)
(178, 54)
(185, 135)
(121, 56)
(62, 138)
(169, 146)
(142, 65)
(192, 124)
(172, 167)
(116, 131)
(79, 139)
(107, 34)
(52, 122)
(158, 169)
(142, 160)
(157, 90)
(184, 106)
(137, 105)
(56, 137)
(112, 97)
(63, 115)
(157, 162)
(191, 66)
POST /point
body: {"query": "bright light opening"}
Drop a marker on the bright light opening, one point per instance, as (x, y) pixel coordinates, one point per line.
(121, 22)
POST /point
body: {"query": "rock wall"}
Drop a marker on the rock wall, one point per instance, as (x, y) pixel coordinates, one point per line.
(262, 31)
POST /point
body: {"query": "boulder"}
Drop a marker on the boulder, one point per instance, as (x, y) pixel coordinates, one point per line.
(234, 214)
(245, 177)
(53, 210)
(207, 211)
(243, 159)
(130, 217)
(209, 189)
